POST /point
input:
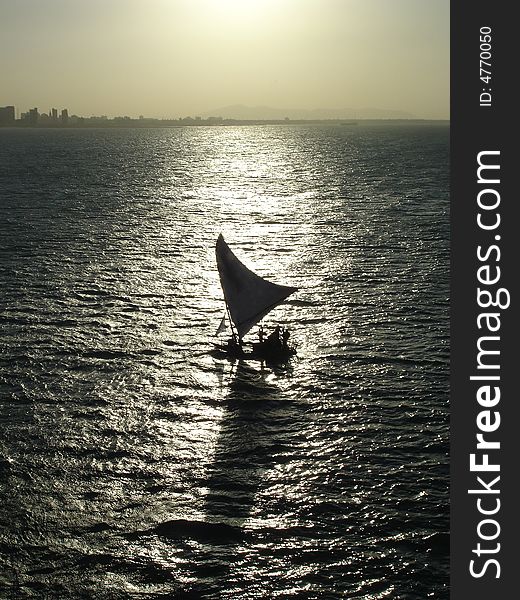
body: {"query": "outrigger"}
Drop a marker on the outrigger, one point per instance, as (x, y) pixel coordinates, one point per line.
(249, 298)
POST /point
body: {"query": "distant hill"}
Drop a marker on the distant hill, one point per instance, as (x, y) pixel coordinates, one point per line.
(242, 112)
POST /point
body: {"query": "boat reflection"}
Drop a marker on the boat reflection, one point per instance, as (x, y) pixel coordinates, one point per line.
(248, 438)
(256, 427)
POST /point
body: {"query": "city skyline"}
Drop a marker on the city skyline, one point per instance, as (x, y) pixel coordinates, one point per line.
(234, 112)
(9, 116)
(172, 58)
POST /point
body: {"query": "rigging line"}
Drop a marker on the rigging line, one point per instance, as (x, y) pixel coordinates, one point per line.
(234, 335)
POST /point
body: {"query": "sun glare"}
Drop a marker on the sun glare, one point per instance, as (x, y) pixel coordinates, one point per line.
(239, 10)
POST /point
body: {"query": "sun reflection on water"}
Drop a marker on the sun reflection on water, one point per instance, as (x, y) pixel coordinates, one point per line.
(132, 450)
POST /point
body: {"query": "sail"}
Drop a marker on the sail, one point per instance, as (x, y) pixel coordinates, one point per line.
(222, 326)
(248, 296)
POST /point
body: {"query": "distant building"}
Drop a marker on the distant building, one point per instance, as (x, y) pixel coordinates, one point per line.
(54, 114)
(95, 119)
(64, 117)
(7, 115)
(33, 117)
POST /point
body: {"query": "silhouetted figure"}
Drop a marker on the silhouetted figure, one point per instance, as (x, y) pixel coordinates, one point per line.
(285, 339)
(234, 346)
(274, 338)
(261, 334)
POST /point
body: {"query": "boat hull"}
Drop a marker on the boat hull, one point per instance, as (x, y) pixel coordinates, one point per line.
(258, 352)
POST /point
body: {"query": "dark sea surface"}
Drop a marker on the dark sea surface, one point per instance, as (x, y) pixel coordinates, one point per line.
(133, 463)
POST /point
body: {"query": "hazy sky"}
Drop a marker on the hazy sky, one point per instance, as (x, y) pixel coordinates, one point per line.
(173, 58)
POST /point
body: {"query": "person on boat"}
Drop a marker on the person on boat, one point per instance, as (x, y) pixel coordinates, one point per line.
(273, 339)
(285, 339)
(234, 345)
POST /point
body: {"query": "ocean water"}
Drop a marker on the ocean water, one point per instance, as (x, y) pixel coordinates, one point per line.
(134, 463)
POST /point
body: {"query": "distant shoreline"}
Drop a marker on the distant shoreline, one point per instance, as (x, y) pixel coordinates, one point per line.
(87, 123)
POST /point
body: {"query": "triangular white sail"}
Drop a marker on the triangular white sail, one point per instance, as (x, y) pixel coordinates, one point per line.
(248, 296)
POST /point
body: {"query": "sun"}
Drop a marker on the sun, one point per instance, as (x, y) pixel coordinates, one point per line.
(241, 4)
(241, 9)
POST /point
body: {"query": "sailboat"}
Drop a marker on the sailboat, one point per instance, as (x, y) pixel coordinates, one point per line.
(249, 298)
